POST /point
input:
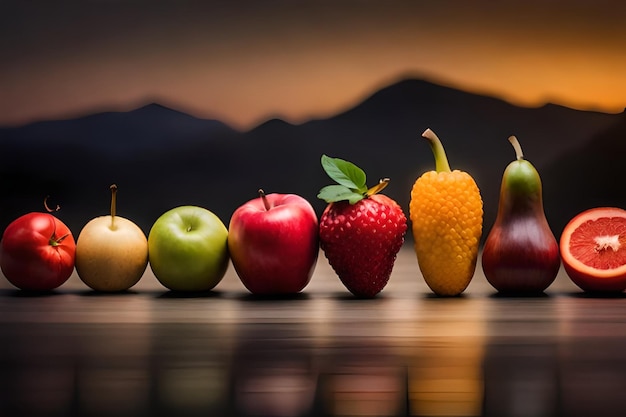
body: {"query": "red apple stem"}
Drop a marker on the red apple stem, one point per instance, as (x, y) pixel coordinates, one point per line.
(113, 204)
(265, 202)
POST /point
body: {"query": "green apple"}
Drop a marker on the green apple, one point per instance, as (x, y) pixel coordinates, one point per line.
(111, 252)
(188, 249)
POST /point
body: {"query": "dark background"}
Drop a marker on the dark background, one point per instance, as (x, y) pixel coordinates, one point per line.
(161, 158)
(205, 102)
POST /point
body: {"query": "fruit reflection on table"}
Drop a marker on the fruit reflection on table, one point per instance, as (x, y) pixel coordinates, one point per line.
(432, 367)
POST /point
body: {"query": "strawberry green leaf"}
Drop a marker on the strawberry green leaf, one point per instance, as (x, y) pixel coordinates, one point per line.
(345, 173)
(333, 193)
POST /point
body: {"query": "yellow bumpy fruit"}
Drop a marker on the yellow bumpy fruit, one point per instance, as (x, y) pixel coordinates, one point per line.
(446, 212)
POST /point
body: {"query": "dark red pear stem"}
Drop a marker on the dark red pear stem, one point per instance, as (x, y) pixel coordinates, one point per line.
(518, 148)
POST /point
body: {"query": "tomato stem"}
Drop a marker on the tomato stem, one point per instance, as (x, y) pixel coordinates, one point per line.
(48, 209)
(54, 241)
(266, 203)
(113, 204)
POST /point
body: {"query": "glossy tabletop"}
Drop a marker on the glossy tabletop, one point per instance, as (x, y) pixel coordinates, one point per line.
(150, 352)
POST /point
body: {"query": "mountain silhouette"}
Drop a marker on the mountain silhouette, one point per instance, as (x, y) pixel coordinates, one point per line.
(122, 134)
(591, 175)
(161, 158)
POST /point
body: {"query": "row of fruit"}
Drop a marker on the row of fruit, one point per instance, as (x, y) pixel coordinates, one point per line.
(273, 241)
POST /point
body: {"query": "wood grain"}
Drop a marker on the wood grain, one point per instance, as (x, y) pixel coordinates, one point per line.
(151, 352)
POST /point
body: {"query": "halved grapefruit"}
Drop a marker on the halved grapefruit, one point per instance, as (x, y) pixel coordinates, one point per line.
(593, 249)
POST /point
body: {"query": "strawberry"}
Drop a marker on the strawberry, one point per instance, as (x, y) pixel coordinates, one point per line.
(361, 231)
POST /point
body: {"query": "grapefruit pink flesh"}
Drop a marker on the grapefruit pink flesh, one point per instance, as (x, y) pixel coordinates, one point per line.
(600, 243)
(593, 249)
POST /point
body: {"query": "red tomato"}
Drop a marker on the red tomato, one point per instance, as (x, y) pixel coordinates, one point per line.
(37, 252)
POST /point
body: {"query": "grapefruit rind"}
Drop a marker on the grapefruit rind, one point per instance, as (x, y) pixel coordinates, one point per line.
(575, 267)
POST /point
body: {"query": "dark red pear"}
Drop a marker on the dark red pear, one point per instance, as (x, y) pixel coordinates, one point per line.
(521, 254)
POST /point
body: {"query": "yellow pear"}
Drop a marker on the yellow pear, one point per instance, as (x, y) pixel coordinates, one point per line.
(111, 252)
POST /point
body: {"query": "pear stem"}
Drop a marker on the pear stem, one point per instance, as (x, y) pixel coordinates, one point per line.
(518, 148)
(441, 160)
(377, 188)
(266, 203)
(113, 204)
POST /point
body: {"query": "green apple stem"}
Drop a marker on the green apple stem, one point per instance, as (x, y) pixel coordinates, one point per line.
(265, 202)
(113, 205)
(377, 188)
(441, 160)
(518, 148)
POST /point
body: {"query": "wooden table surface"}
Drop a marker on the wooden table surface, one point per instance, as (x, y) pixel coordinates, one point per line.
(150, 352)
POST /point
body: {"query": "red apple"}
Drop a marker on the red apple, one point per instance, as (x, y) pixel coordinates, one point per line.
(273, 243)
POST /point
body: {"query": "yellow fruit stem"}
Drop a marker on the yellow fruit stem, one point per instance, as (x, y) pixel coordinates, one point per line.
(113, 205)
(441, 160)
(518, 148)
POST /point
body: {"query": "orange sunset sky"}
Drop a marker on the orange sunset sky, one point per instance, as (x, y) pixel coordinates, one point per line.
(245, 61)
